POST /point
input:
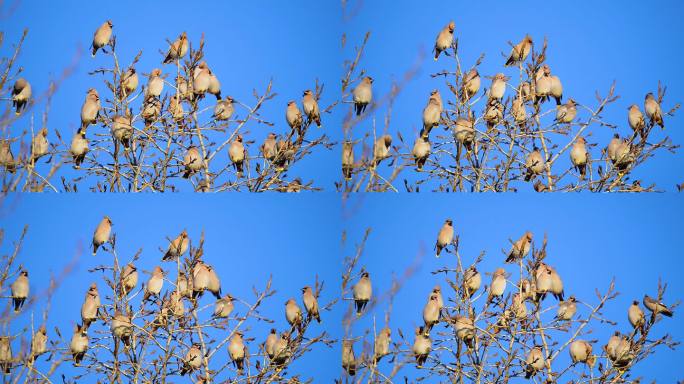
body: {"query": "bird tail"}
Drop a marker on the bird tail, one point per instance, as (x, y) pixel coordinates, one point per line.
(95, 246)
(509, 62)
(437, 52)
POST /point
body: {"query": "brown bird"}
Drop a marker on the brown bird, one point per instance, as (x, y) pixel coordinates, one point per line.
(431, 313)
(310, 303)
(178, 49)
(201, 80)
(293, 313)
(237, 351)
(6, 358)
(657, 307)
(534, 163)
(445, 39)
(129, 83)
(556, 89)
(122, 328)
(21, 95)
(293, 116)
(281, 350)
(90, 109)
(363, 94)
(177, 247)
(122, 129)
(6, 157)
(20, 290)
(38, 343)
(421, 347)
(431, 115)
(214, 283)
(518, 110)
(192, 359)
(129, 278)
(498, 87)
(471, 281)
(471, 85)
(224, 307)
(465, 329)
(347, 159)
(520, 51)
(348, 358)
(154, 283)
(445, 236)
(567, 309)
(363, 290)
(653, 111)
(310, 105)
(567, 112)
(498, 284)
(636, 120)
(268, 148)
(636, 316)
(102, 233)
(465, 133)
(214, 86)
(224, 109)
(580, 352)
(237, 154)
(102, 36)
(580, 156)
(269, 345)
(155, 83)
(381, 149)
(192, 162)
(200, 279)
(534, 362)
(79, 344)
(90, 310)
(520, 248)
(382, 344)
(39, 145)
(151, 110)
(421, 151)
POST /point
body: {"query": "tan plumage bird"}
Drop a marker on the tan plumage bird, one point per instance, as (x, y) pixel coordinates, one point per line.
(237, 351)
(200, 279)
(445, 236)
(543, 282)
(534, 163)
(619, 350)
(612, 148)
(518, 110)
(579, 156)
(102, 233)
(656, 306)
(21, 95)
(518, 306)
(38, 343)
(268, 148)
(520, 51)
(494, 113)
(192, 161)
(347, 159)
(224, 307)
(122, 328)
(472, 279)
(465, 132)
(102, 36)
(178, 49)
(498, 285)
(293, 313)
(6, 156)
(6, 358)
(556, 89)
(154, 284)
(174, 304)
(623, 155)
(192, 359)
(421, 151)
(421, 347)
(155, 83)
(445, 39)
(556, 283)
(636, 316)
(471, 85)
(151, 110)
(176, 108)
(237, 154)
(177, 247)
(310, 105)
(20, 290)
(465, 329)
(653, 111)
(122, 129)
(363, 290)
(534, 361)
(269, 345)
(224, 109)
(214, 284)
(437, 291)
(79, 344)
(431, 113)
(363, 95)
(567, 112)
(293, 116)
(214, 86)
(636, 120)
(39, 145)
(543, 83)
(90, 109)
(498, 87)
(580, 352)
(201, 80)
(431, 313)
(90, 310)
(129, 278)
(281, 350)
(348, 358)
(129, 83)
(382, 344)
(567, 309)
(310, 303)
(381, 149)
(520, 248)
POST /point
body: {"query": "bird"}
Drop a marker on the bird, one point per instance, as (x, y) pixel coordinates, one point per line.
(20, 290)
(543, 83)
(129, 83)
(281, 350)
(39, 145)
(200, 279)
(38, 343)
(445, 236)
(653, 111)
(177, 49)
(498, 284)
(154, 283)
(237, 351)
(269, 345)
(122, 129)
(623, 155)
(656, 306)
(6, 157)
(534, 163)
(567, 309)
(192, 359)
(471, 84)
(293, 314)
(580, 352)
(129, 278)
(636, 316)
(214, 283)
(79, 344)
(237, 154)
(612, 148)
(310, 105)
(214, 86)
(636, 120)
(465, 329)
(347, 159)
(556, 283)
(268, 148)
(567, 112)
(421, 347)
(151, 110)
(363, 290)
(382, 344)
(293, 116)
(363, 94)
(421, 151)
(201, 80)
(348, 358)
(192, 163)
(465, 132)
(431, 115)
(155, 83)
(90, 109)
(224, 109)
(471, 281)
(431, 313)
(520, 51)
(498, 87)
(122, 328)
(175, 108)
(618, 350)
(381, 149)
(102, 36)
(445, 39)
(310, 303)
(90, 309)
(102, 233)
(437, 291)
(543, 281)
(579, 156)
(177, 247)
(518, 110)
(518, 306)
(556, 89)
(223, 307)
(520, 248)
(21, 95)
(494, 113)
(534, 362)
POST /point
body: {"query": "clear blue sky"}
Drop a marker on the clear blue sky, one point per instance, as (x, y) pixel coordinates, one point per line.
(291, 239)
(591, 239)
(246, 45)
(631, 42)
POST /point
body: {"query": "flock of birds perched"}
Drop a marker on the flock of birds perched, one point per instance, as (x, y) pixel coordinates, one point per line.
(203, 81)
(545, 281)
(544, 86)
(189, 287)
